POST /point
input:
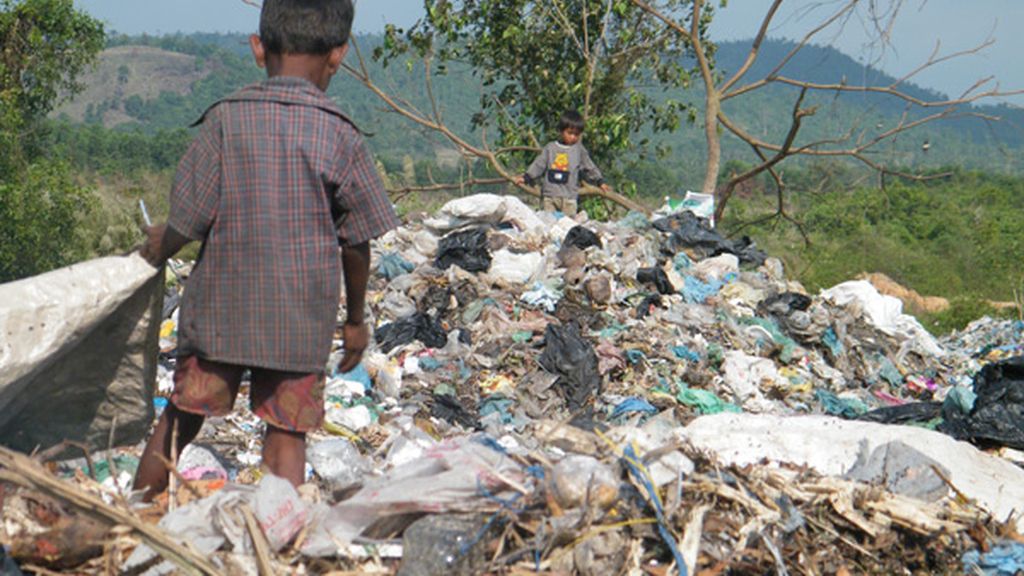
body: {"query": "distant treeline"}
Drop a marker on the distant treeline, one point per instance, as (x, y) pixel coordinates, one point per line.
(966, 140)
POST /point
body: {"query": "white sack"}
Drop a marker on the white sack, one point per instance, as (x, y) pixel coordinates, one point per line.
(484, 209)
(516, 268)
(80, 341)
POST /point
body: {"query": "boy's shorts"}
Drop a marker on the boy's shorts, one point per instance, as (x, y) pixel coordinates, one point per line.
(287, 400)
(567, 206)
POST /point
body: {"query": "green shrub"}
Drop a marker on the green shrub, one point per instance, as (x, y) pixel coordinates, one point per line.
(43, 214)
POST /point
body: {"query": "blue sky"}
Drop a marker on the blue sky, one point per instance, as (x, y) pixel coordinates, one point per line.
(954, 24)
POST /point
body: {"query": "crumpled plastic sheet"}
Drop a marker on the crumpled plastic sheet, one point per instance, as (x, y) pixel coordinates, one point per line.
(632, 406)
(570, 356)
(391, 265)
(657, 277)
(704, 401)
(997, 413)
(462, 474)
(689, 231)
(210, 522)
(1002, 560)
(883, 312)
(542, 296)
(419, 326)
(466, 249)
(582, 238)
(843, 407)
(696, 291)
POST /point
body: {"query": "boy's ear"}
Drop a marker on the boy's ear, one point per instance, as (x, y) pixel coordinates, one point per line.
(336, 57)
(259, 53)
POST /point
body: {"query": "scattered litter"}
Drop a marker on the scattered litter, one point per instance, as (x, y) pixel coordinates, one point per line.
(556, 395)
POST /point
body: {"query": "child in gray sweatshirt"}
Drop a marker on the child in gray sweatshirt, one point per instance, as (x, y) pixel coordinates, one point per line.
(561, 165)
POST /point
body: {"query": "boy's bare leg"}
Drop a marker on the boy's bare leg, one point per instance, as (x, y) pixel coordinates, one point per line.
(152, 473)
(284, 454)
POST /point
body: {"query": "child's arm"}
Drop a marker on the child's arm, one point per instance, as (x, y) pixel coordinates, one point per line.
(589, 171)
(355, 261)
(536, 169)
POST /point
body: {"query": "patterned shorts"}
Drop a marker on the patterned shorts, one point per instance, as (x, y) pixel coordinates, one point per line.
(287, 400)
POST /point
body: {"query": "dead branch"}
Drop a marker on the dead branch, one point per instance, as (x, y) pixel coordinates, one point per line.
(482, 152)
(22, 470)
(715, 94)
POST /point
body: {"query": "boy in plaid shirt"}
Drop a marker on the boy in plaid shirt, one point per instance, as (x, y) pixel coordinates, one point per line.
(275, 180)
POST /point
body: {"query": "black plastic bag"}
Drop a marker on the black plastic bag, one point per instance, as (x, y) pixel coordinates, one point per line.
(904, 413)
(687, 230)
(997, 417)
(466, 249)
(656, 276)
(581, 238)
(784, 303)
(573, 359)
(448, 408)
(419, 326)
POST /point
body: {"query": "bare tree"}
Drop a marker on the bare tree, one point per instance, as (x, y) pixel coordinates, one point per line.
(434, 121)
(607, 43)
(854, 143)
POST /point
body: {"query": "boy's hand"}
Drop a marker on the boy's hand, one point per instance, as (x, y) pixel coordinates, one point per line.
(357, 338)
(606, 188)
(152, 248)
(520, 180)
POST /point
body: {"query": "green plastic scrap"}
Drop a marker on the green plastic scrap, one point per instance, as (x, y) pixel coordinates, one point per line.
(522, 336)
(888, 371)
(444, 389)
(788, 344)
(715, 355)
(473, 311)
(611, 331)
(831, 339)
(684, 353)
(705, 402)
(960, 397)
(848, 408)
(123, 463)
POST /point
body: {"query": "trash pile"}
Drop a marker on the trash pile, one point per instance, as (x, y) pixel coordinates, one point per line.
(553, 395)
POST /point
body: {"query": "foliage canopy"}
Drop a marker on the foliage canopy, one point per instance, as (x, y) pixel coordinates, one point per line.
(46, 45)
(535, 60)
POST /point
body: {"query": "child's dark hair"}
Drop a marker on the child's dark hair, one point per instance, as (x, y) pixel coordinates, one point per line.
(570, 119)
(305, 26)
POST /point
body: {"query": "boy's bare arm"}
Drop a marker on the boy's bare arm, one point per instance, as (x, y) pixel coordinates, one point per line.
(356, 262)
(162, 242)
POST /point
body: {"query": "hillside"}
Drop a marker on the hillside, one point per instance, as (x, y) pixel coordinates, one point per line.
(124, 73)
(164, 83)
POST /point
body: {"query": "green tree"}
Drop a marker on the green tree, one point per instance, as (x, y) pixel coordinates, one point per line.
(608, 59)
(44, 46)
(42, 215)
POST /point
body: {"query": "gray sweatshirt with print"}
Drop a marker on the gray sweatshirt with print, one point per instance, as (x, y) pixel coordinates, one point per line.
(559, 169)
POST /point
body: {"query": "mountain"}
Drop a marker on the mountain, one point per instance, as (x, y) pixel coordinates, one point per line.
(157, 83)
(825, 65)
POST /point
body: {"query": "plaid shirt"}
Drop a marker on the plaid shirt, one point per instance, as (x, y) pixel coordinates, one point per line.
(275, 180)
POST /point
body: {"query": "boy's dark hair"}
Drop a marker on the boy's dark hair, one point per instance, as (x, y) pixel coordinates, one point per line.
(305, 26)
(570, 119)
